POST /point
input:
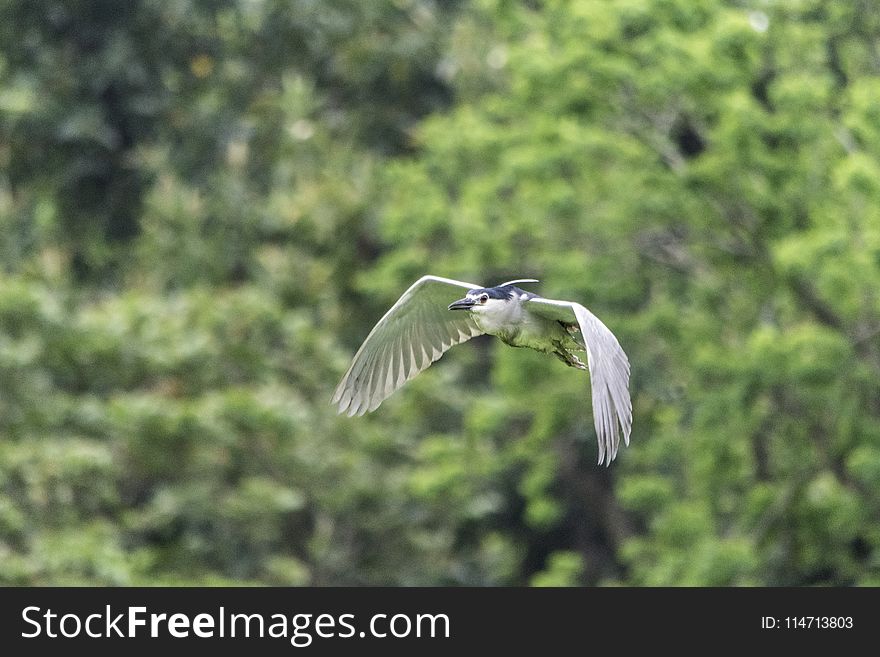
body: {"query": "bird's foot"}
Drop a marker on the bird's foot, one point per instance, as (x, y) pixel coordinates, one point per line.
(570, 359)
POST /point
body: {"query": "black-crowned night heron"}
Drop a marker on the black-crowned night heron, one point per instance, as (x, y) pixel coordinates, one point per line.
(423, 324)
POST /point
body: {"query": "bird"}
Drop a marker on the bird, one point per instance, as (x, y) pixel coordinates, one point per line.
(427, 320)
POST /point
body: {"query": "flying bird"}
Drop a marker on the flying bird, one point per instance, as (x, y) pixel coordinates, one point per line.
(427, 320)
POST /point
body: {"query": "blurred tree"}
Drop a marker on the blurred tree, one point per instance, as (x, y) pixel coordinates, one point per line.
(206, 204)
(164, 377)
(92, 88)
(702, 175)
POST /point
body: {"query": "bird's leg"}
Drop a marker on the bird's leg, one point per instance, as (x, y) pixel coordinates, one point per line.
(564, 352)
(569, 358)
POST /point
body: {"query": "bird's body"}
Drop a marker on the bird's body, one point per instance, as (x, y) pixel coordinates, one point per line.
(420, 327)
(513, 322)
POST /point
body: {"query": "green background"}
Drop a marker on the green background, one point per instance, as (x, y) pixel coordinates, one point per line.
(205, 205)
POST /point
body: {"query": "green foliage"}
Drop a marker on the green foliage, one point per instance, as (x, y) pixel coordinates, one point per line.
(204, 207)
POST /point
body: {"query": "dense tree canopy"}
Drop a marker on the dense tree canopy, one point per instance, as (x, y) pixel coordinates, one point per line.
(206, 204)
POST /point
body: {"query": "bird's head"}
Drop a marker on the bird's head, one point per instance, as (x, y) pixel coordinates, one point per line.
(488, 299)
(481, 299)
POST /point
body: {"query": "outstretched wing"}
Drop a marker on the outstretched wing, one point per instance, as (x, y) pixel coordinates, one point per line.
(609, 372)
(415, 332)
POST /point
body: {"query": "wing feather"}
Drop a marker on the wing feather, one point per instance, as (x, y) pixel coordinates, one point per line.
(416, 331)
(609, 372)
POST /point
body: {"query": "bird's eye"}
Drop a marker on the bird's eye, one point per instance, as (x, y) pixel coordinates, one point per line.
(484, 298)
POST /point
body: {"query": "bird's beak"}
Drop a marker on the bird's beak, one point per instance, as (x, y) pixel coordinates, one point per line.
(461, 304)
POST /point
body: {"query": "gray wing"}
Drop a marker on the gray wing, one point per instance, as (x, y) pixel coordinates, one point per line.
(609, 372)
(415, 332)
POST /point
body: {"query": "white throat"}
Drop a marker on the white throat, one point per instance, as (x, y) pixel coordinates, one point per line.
(497, 316)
